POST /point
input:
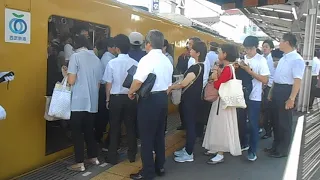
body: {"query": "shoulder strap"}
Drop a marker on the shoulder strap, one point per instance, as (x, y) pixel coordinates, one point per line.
(192, 80)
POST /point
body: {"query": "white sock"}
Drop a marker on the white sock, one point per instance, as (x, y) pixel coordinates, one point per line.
(218, 157)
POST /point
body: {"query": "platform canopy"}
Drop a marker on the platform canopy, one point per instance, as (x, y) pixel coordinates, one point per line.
(274, 17)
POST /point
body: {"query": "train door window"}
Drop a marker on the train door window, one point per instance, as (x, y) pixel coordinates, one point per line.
(61, 32)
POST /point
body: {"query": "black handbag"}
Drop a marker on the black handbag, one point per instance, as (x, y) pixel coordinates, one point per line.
(128, 81)
(147, 86)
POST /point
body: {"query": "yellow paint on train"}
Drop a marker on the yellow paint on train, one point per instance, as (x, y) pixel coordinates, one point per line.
(22, 134)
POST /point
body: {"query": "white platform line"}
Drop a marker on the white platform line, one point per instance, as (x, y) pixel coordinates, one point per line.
(86, 174)
(291, 170)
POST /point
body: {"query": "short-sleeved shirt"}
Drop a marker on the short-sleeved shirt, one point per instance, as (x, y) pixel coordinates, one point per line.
(193, 92)
(106, 58)
(315, 66)
(259, 65)
(291, 66)
(116, 73)
(68, 51)
(169, 57)
(88, 69)
(271, 69)
(155, 62)
(206, 70)
(212, 58)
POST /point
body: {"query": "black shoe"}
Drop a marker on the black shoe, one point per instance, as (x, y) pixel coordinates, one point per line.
(136, 176)
(269, 150)
(277, 155)
(160, 172)
(110, 161)
(266, 136)
(180, 128)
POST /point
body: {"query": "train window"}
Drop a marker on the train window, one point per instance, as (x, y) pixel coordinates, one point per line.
(61, 32)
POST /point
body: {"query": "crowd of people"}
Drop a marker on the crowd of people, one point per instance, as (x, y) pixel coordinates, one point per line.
(270, 83)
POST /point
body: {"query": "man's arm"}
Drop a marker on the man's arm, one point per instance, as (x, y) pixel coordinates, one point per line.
(295, 89)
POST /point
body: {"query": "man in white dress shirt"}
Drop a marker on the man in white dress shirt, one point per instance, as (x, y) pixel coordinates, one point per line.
(286, 85)
(119, 105)
(257, 67)
(153, 109)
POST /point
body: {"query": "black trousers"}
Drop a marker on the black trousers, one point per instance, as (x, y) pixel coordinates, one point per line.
(121, 108)
(181, 115)
(267, 113)
(102, 117)
(313, 90)
(202, 117)
(282, 118)
(82, 124)
(151, 121)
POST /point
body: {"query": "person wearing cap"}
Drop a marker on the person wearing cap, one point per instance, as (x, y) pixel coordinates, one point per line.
(315, 74)
(286, 85)
(153, 109)
(267, 48)
(257, 67)
(136, 40)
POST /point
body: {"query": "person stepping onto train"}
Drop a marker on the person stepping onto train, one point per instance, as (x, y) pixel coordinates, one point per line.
(286, 85)
(119, 105)
(84, 74)
(191, 86)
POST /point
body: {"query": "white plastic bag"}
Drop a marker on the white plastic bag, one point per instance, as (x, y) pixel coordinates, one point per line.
(231, 93)
(60, 106)
(3, 113)
(46, 115)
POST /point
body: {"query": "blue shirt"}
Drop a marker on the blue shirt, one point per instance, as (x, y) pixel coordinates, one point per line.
(136, 54)
(291, 66)
(212, 57)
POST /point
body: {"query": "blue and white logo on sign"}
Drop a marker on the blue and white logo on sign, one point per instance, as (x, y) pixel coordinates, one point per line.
(17, 26)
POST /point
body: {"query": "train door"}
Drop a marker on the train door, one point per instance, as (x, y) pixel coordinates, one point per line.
(61, 31)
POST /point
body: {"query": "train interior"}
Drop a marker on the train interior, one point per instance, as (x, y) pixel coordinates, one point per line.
(58, 135)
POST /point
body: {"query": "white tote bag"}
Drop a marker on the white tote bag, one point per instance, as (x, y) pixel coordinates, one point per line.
(60, 105)
(46, 115)
(231, 93)
(3, 113)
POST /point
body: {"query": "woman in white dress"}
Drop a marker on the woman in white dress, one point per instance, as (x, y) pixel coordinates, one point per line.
(222, 128)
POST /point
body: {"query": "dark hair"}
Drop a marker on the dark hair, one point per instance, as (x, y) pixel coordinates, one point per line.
(101, 44)
(81, 41)
(213, 48)
(268, 41)
(65, 37)
(122, 42)
(259, 51)
(168, 48)
(317, 54)
(109, 42)
(291, 38)
(231, 51)
(277, 53)
(200, 47)
(251, 41)
(195, 39)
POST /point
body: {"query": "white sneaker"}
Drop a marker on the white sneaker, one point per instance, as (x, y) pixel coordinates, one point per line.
(184, 158)
(180, 152)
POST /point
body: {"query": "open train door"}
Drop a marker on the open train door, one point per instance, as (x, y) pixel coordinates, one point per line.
(238, 4)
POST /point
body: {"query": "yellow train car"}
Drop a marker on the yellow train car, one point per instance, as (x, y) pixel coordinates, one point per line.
(24, 50)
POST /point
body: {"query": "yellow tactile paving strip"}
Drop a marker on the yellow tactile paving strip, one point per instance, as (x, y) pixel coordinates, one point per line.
(122, 170)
